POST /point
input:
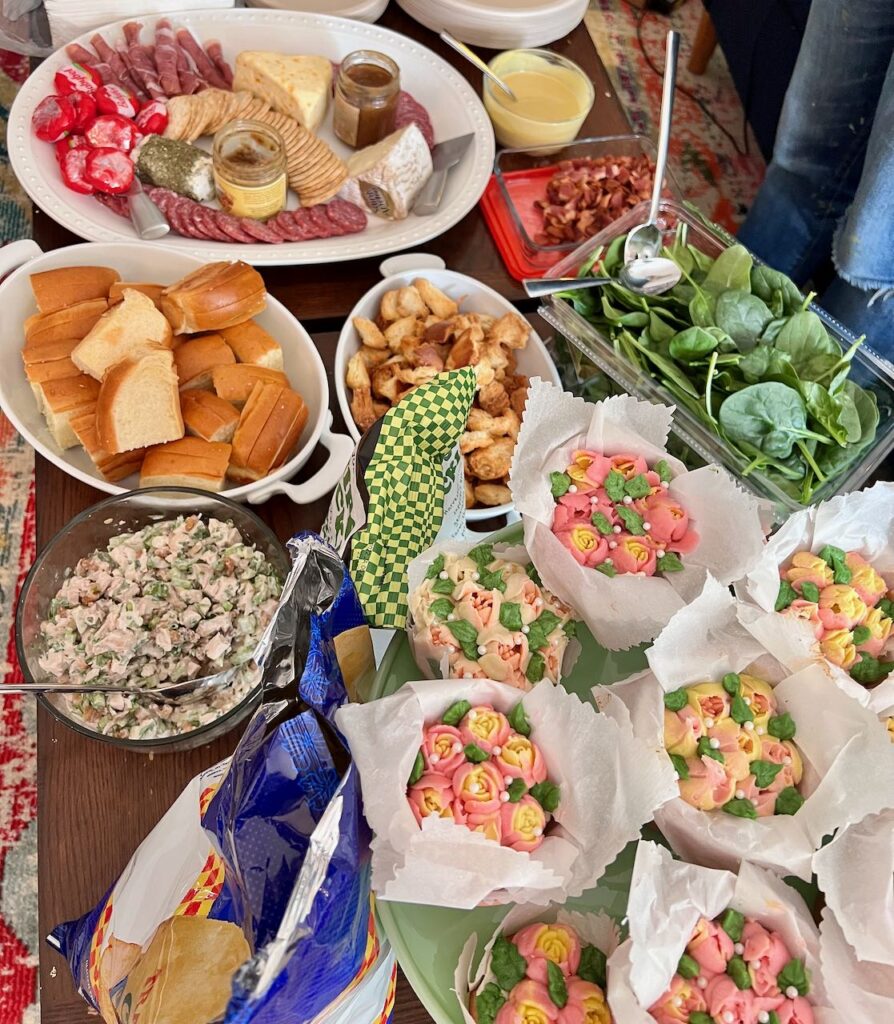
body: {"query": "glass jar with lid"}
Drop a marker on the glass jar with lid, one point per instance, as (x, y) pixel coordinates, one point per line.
(366, 91)
(250, 169)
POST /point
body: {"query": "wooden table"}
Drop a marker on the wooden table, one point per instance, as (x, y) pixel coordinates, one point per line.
(97, 803)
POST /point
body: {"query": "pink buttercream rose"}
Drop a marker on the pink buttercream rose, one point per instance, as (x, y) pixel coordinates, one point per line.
(723, 997)
(442, 749)
(710, 947)
(589, 999)
(668, 523)
(634, 554)
(520, 758)
(587, 470)
(879, 626)
(795, 1011)
(485, 727)
(489, 825)
(807, 611)
(676, 1004)
(478, 787)
(779, 753)
(539, 943)
(708, 785)
(764, 800)
(464, 669)
(528, 1003)
(587, 545)
(766, 954)
(629, 466)
(571, 510)
(431, 795)
(841, 607)
(505, 661)
(523, 824)
(475, 605)
(682, 731)
(864, 579)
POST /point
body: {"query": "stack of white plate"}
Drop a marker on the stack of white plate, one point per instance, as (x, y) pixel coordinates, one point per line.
(359, 10)
(499, 24)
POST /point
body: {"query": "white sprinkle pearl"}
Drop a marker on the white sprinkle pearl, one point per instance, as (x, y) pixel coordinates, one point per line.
(451, 648)
(538, 601)
(442, 575)
(609, 561)
(660, 553)
(738, 949)
(504, 798)
(613, 544)
(714, 743)
(628, 500)
(507, 779)
(709, 723)
(763, 1017)
(755, 965)
(728, 1017)
(476, 575)
(665, 484)
(786, 760)
(647, 526)
(701, 982)
(497, 751)
(482, 649)
(451, 617)
(748, 701)
(572, 489)
(740, 794)
(473, 714)
(678, 1000)
(616, 529)
(435, 758)
(594, 500)
(538, 832)
(474, 787)
(791, 992)
(748, 726)
(456, 748)
(760, 730)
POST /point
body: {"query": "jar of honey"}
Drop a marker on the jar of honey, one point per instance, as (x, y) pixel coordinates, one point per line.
(250, 169)
(365, 98)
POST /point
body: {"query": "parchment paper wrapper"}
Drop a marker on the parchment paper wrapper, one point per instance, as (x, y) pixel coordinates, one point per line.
(626, 610)
(848, 758)
(668, 897)
(863, 990)
(609, 786)
(598, 930)
(862, 521)
(429, 657)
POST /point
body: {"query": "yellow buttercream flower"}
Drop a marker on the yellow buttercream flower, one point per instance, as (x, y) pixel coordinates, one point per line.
(841, 607)
(760, 693)
(864, 579)
(709, 700)
(808, 568)
(878, 624)
(838, 646)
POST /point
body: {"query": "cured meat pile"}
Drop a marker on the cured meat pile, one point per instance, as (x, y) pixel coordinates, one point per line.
(586, 194)
(176, 64)
(193, 220)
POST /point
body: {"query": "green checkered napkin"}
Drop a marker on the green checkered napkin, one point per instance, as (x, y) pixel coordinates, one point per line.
(405, 480)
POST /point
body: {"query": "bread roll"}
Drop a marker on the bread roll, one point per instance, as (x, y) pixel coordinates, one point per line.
(139, 404)
(111, 467)
(151, 291)
(216, 296)
(235, 383)
(195, 359)
(207, 416)
(71, 322)
(48, 351)
(189, 462)
(126, 331)
(268, 430)
(62, 399)
(39, 374)
(252, 344)
(66, 286)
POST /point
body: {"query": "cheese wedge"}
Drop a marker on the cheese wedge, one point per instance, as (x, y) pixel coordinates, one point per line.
(385, 178)
(299, 86)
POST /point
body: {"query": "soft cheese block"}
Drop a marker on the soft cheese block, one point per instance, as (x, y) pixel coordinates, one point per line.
(298, 86)
(397, 167)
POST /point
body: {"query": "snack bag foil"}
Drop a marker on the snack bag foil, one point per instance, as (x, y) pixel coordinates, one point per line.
(250, 899)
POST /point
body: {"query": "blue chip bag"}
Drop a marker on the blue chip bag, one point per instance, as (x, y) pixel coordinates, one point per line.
(250, 900)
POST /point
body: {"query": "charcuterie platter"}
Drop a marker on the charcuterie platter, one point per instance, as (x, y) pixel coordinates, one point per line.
(150, 102)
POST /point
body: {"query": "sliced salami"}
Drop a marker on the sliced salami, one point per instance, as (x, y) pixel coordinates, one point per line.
(345, 215)
(409, 110)
(193, 217)
(206, 218)
(260, 231)
(324, 226)
(178, 217)
(284, 222)
(232, 226)
(117, 204)
(306, 224)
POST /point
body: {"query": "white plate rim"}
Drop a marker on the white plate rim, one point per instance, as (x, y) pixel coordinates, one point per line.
(415, 230)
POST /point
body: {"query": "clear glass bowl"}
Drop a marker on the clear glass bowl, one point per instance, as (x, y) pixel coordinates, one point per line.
(868, 370)
(93, 529)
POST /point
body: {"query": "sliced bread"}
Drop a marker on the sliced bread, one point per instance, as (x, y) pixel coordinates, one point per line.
(189, 462)
(139, 404)
(268, 430)
(151, 291)
(195, 359)
(207, 416)
(235, 383)
(64, 398)
(126, 331)
(112, 467)
(74, 321)
(252, 344)
(66, 286)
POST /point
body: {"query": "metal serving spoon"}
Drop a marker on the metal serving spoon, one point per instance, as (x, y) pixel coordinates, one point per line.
(473, 58)
(645, 240)
(649, 276)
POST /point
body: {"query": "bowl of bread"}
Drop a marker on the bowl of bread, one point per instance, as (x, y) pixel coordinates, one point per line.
(417, 323)
(128, 365)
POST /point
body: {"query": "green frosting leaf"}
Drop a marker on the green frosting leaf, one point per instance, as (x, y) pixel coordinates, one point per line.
(516, 790)
(732, 683)
(519, 720)
(704, 749)
(435, 568)
(546, 794)
(637, 486)
(510, 615)
(482, 555)
(443, 586)
(764, 772)
(614, 485)
(680, 766)
(456, 712)
(663, 470)
(466, 636)
(687, 967)
(732, 922)
(442, 607)
(810, 591)
(699, 1017)
(676, 700)
(602, 523)
(862, 634)
(740, 809)
(592, 966)
(531, 570)
(669, 562)
(540, 630)
(536, 668)
(794, 975)
(418, 769)
(559, 484)
(835, 559)
(773, 1018)
(488, 1003)
(886, 606)
(570, 628)
(492, 580)
(555, 984)
(631, 519)
(869, 670)
(737, 969)
(508, 965)
(607, 569)
(781, 726)
(739, 711)
(786, 595)
(474, 753)
(788, 801)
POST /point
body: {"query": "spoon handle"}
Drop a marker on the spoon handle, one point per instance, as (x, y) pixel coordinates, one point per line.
(537, 287)
(667, 111)
(473, 58)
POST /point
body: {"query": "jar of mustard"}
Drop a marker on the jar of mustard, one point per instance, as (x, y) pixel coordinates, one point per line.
(250, 169)
(366, 93)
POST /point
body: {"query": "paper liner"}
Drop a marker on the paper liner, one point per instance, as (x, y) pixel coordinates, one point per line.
(861, 521)
(625, 610)
(861, 990)
(668, 897)
(599, 930)
(609, 788)
(847, 755)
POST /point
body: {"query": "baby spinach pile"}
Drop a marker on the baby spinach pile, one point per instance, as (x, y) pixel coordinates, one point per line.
(736, 345)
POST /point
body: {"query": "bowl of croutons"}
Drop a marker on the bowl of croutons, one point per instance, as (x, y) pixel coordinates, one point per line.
(413, 326)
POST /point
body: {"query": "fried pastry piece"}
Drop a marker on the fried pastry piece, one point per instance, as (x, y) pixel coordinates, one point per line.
(492, 494)
(492, 462)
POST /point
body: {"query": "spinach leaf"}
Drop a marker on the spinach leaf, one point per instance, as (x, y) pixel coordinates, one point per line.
(769, 416)
(731, 269)
(743, 316)
(659, 329)
(825, 410)
(813, 353)
(692, 344)
(848, 417)
(771, 331)
(765, 281)
(766, 363)
(701, 309)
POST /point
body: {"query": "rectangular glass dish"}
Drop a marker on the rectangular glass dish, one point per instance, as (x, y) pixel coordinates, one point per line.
(868, 370)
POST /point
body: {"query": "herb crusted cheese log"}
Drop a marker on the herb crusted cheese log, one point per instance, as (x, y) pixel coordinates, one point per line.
(299, 86)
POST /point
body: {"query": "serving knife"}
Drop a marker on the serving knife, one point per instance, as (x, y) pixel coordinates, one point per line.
(148, 221)
(444, 156)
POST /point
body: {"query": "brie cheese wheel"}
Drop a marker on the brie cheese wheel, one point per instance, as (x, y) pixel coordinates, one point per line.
(385, 178)
(299, 86)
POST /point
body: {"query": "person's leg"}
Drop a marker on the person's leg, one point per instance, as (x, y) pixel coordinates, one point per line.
(823, 132)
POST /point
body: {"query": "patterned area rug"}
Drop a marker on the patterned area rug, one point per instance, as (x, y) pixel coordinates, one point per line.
(714, 165)
(18, 748)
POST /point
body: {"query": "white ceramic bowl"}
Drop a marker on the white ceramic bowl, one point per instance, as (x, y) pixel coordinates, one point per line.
(141, 261)
(473, 297)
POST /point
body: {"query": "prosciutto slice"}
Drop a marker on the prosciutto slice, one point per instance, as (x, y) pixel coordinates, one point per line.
(215, 54)
(113, 59)
(189, 80)
(81, 55)
(204, 66)
(166, 57)
(133, 80)
(141, 61)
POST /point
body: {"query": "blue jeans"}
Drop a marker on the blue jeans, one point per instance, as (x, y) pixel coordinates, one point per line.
(830, 186)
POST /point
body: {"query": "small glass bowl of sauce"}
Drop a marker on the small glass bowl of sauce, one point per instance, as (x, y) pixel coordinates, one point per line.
(250, 169)
(366, 91)
(553, 97)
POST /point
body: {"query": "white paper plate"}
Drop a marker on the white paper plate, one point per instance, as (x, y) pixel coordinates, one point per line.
(499, 24)
(453, 105)
(359, 10)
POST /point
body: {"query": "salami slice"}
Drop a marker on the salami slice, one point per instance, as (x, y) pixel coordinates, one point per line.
(324, 226)
(284, 222)
(348, 216)
(178, 217)
(193, 217)
(260, 231)
(206, 219)
(409, 110)
(232, 226)
(117, 204)
(305, 224)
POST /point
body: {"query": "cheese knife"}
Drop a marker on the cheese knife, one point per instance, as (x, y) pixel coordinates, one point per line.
(444, 156)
